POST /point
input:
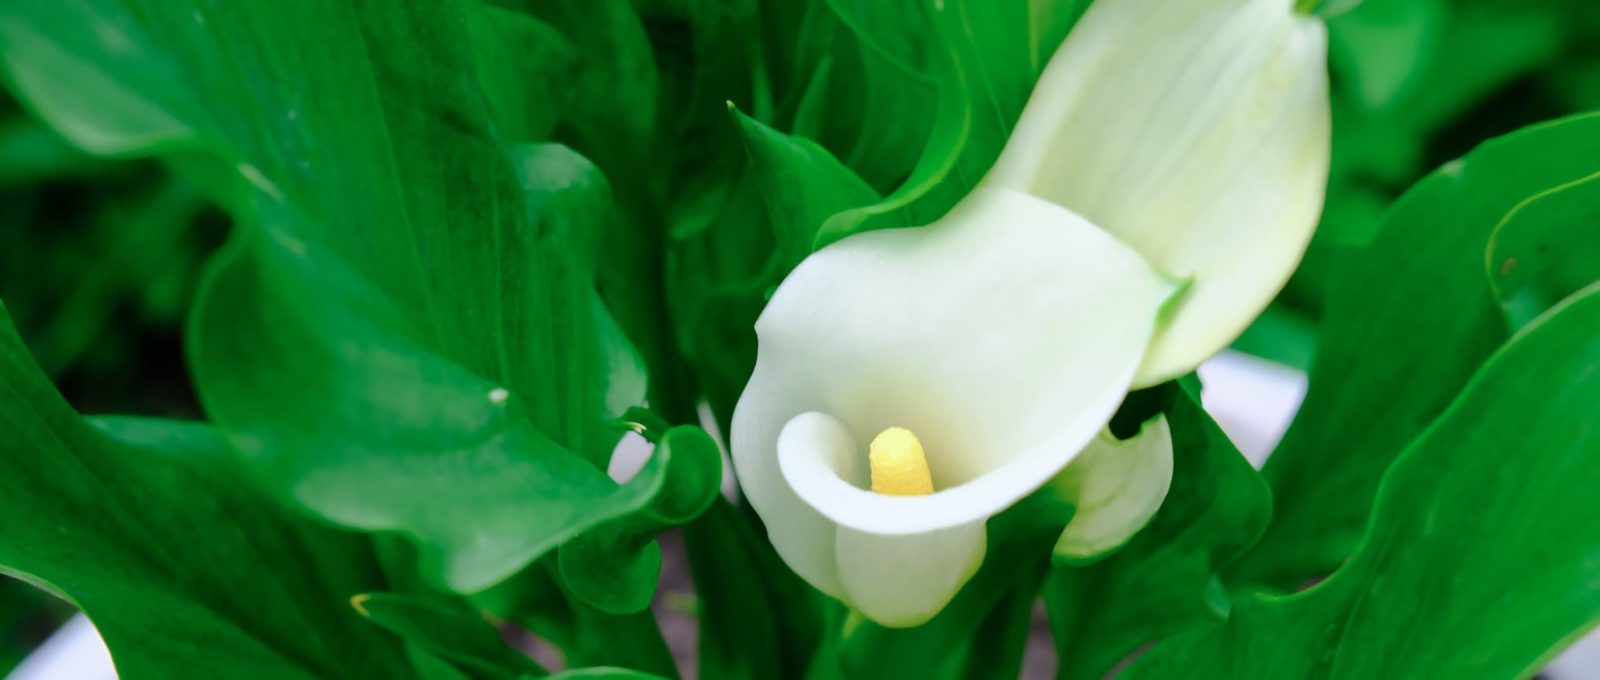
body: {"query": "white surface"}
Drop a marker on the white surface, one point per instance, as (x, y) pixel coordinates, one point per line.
(74, 652)
(1252, 399)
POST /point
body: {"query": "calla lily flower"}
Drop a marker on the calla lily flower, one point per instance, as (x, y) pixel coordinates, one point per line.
(1161, 185)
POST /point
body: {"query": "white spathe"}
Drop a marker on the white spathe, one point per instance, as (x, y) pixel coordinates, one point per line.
(1003, 335)
(1115, 487)
(1196, 131)
(1169, 143)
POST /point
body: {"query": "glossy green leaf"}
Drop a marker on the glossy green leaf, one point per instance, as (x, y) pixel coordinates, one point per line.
(1164, 581)
(148, 527)
(403, 333)
(1409, 318)
(446, 629)
(1545, 249)
(1480, 558)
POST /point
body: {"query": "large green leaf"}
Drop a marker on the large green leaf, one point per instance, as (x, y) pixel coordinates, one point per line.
(448, 631)
(1482, 558)
(1164, 581)
(757, 619)
(148, 527)
(1409, 318)
(1545, 249)
(403, 333)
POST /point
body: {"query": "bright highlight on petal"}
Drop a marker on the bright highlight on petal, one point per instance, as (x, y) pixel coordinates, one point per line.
(899, 466)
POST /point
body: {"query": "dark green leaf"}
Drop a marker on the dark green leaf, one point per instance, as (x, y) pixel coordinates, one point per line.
(527, 73)
(1165, 580)
(603, 673)
(982, 75)
(802, 185)
(447, 629)
(538, 600)
(1480, 560)
(757, 619)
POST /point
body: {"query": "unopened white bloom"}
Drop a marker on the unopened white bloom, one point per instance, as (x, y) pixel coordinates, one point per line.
(1196, 131)
(1160, 187)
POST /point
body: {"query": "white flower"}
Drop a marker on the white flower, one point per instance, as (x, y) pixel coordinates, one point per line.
(1169, 141)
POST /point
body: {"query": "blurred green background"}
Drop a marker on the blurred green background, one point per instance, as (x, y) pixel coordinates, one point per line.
(99, 259)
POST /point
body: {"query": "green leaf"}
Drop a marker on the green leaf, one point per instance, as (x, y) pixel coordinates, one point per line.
(538, 600)
(603, 673)
(530, 92)
(31, 152)
(757, 619)
(1544, 250)
(27, 615)
(982, 75)
(1409, 318)
(614, 566)
(1165, 580)
(970, 636)
(1384, 46)
(447, 629)
(403, 333)
(147, 527)
(1480, 558)
(135, 239)
(612, 112)
(883, 95)
(802, 185)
